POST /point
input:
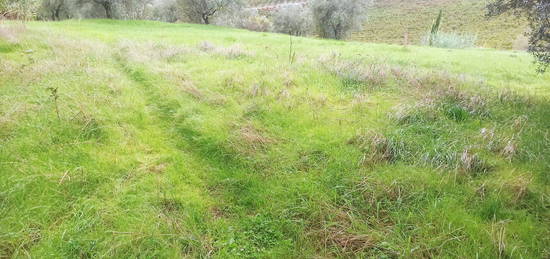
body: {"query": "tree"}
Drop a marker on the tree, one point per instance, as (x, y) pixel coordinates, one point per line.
(538, 15)
(336, 18)
(54, 9)
(292, 19)
(107, 6)
(435, 27)
(201, 11)
(18, 9)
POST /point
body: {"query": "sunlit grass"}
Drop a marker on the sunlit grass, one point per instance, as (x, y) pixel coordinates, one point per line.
(177, 140)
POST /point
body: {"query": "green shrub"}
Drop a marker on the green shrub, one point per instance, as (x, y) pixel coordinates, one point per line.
(450, 40)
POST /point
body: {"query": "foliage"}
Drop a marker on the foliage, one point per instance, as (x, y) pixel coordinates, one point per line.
(167, 11)
(451, 40)
(249, 19)
(336, 19)
(55, 9)
(538, 15)
(293, 19)
(201, 11)
(19, 9)
(435, 27)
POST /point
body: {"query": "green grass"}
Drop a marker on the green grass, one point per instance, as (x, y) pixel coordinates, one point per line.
(391, 21)
(177, 140)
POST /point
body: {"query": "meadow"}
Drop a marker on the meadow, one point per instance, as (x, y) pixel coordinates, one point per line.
(126, 139)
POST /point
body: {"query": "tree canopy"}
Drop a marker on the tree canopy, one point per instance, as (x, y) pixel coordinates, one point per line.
(538, 15)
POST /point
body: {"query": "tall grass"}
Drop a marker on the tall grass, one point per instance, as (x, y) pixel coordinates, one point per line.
(198, 142)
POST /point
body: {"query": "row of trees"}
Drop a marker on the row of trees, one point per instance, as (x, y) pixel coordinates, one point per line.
(328, 18)
(67, 9)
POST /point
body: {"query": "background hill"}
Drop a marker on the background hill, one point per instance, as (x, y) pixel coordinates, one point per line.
(390, 20)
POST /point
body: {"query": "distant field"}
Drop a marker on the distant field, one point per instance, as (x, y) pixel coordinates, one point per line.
(135, 139)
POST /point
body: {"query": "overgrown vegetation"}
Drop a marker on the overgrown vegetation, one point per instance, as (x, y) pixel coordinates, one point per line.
(336, 19)
(538, 15)
(437, 38)
(198, 141)
(450, 40)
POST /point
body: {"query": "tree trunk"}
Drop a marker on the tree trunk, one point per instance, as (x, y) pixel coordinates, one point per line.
(108, 10)
(57, 12)
(205, 19)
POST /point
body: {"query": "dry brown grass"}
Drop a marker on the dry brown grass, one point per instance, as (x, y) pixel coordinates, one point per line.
(192, 90)
(153, 51)
(235, 51)
(471, 163)
(259, 89)
(12, 32)
(334, 232)
(346, 241)
(248, 140)
(375, 75)
(10, 115)
(518, 187)
(377, 148)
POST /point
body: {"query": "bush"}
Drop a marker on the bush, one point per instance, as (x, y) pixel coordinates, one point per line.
(19, 9)
(166, 11)
(54, 10)
(450, 40)
(336, 19)
(133, 9)
(248, 19)
(202, 11)
(293, 19)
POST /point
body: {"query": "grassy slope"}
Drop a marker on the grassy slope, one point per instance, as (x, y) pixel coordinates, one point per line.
(169, 147)
(390, 20)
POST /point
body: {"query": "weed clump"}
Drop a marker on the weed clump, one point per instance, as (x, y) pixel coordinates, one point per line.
(359, 74)
(471, 163)
(153, 52)
(421, 112)
(11, 34)
(378, 148)
(235, 51)
(354, 74)
(250, 140)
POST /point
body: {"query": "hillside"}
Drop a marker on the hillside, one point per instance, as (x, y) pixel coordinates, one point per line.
(390, 20)
(400, 21)
(126, 139)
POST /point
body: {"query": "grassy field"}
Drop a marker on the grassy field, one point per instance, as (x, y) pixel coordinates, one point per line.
(141, 139)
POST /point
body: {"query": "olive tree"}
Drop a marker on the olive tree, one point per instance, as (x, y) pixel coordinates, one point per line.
(292, 19)
(538, 15)
(337, 18)
(54, 9)
(106, 6)
(201, 11)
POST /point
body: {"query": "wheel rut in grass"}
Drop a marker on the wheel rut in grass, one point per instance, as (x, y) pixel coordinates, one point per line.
(227, 176)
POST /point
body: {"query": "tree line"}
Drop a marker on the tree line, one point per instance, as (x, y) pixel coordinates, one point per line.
(325, 18)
